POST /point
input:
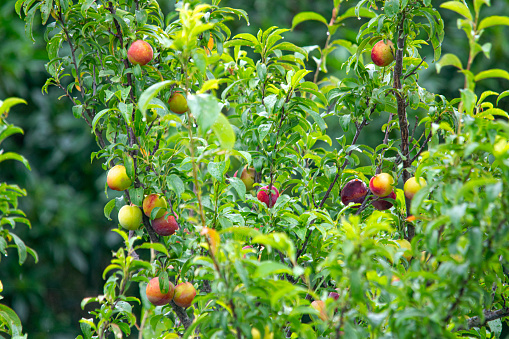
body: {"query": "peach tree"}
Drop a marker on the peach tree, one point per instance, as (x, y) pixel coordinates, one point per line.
(269, 227)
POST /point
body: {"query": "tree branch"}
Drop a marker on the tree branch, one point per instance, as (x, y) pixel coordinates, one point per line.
(402, 115)
(488, 316)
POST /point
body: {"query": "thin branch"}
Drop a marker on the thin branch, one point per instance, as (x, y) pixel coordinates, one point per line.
(326, 196)
(322, 57)
(488, 316)
(402, 114)
(415, 69)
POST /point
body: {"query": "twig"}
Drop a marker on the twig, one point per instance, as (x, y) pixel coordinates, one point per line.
(487, 317)
(402, 115)
(326, 196)
(415, 69)
(322, 57)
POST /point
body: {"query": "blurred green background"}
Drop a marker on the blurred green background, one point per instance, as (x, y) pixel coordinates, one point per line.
(66, 191)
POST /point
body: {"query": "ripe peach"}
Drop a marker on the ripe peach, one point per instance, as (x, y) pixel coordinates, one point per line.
(248, 177)
(381, 204)
(334, 295)
(140, 53)
(184, 294)
(412, 186)
(130, 217)
(263, 195)
(178, 103)
(381, 184)
(166, 225)
(117, 178)
(354, 192)
(382, 53)
(152, 201)
(156, 296)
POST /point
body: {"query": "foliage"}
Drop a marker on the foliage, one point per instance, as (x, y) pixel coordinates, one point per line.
(253, 102)
(10, 215)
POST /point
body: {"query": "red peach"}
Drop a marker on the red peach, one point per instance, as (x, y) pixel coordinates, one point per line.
(381, 184)
(382, 53)
(140, 53)
(156, 296)
(165, 225)
(184, 294)
(381, 204)
(263, 195)
(152, 201)
(354, 192)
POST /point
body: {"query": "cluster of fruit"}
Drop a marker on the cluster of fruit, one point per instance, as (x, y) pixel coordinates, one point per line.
(182, 295)
(130, 217)
(382, 187)
(140, 53)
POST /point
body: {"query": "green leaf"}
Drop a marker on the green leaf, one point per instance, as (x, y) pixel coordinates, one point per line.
(306, 16)
(205, 109)
(469, 99)
(267, 268)
(288, 46)
(11, 319)
(279, 241)
(136, 195)
(239, 187)
(316, 117)
(8, 103)
(458, 7)
(29, 22)
(99, 115)
(391, 7)
(492, 73)
(148, 94)
(7, 131)
(126, 110)
(14, 156)
(217, 169)
(448, 60)
(157, 246)
(108, 208)
(176, 184)
(502, 95)
(224, 132)
(245, 37)
(22, 250)
(494, 20)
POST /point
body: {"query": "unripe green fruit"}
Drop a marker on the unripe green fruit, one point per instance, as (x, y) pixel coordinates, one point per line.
(117, 178)
(178, 103)
(130, 217)
(412, 186)
(247, 176)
